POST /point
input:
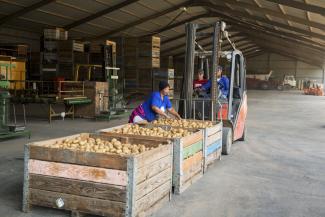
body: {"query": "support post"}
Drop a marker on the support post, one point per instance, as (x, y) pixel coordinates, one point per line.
(187, 90)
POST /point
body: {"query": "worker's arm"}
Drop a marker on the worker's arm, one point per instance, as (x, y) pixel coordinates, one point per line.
(159, 111)
(206, 86)
(173, 112)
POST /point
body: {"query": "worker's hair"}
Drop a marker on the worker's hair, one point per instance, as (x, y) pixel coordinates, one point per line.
(219, 68)
(200, 71)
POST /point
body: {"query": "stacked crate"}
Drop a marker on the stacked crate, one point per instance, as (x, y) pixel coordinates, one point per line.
(141, 56)
(102, 184)
(70, 53)
(188, 156)
(49, 67)
(163, 75)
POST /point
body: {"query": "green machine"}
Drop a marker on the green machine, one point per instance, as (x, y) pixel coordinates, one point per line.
(9, 130)
(116, 103)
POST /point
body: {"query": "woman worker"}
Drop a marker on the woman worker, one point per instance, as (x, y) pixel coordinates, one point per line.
(157, 104)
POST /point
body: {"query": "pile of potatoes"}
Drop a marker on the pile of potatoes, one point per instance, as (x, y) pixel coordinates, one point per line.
(183, 123)
(134, 129)
(100, 146)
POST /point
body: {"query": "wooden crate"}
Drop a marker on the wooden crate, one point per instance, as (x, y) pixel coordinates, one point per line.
(212, 142)
(97, 183)
(187, 157)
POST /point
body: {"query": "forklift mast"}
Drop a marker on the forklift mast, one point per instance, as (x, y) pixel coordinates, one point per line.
(191, 35)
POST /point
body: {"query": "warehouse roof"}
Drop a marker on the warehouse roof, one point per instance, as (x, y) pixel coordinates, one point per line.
(292, 28)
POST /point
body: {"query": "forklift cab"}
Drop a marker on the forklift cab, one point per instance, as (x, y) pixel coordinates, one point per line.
(233, 110)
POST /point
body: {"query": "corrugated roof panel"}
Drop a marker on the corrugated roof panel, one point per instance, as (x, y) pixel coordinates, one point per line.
(319, 3)
(23, 2)
(109, 22)
(110, 2)
(317, 18)
(27, 25)
(86, 5)
(278, 20)
(6, 8)
(46, 18)
(91, 29)
(138, 10)
(122, 17)
(155, 5)
(294, 12)
(300, 26)
(268, 4)
(63, 10)
(318, 31)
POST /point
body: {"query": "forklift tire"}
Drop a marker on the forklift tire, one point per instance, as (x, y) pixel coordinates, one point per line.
(244, 135)
(226, 140)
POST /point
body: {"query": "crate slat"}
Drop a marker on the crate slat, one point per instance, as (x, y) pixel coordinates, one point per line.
(192, 149)
(78, 187)
(71, 171)
(82, 204)
(110, 161)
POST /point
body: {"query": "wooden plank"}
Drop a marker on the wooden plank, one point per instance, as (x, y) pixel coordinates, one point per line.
(191, 150)
(153, 197)
(214, 137)
(151, 156)
(194, 160)
(215, 128)
(191, 172)
(177, 165)
(85, 173)
(82, 204)
(103, 160)
(151, 184)
(212, 158)
(151, 170)
(193, 138)
(155, 207)
(79, 188)
(189, 182)
(213, 147)
(131, 172)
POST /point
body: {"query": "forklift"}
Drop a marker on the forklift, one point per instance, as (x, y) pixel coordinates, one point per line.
(231, 111)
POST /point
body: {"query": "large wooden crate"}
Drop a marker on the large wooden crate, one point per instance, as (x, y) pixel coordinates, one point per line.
(98, 183)
(187, 157)
(212, 142)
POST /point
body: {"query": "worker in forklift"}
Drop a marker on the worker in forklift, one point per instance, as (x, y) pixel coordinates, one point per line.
(223, 84)
(197, 83)
(156, 105)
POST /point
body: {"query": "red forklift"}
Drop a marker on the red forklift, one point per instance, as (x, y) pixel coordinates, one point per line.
(231, 111)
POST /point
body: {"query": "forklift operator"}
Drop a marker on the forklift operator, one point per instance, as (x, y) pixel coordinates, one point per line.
(223, 84)
(157, 104)
(197, 83)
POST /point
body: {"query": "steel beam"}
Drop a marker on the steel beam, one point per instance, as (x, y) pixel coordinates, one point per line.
(301, 6)
(279, 34)
(143, 20)
(182, 35)
(177, 24)
(100, 13)
(275, 14)
(224, 10)
(25, 10)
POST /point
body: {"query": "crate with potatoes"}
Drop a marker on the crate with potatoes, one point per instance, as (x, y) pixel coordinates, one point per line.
(187, 146)
(212, 136)
(98, 174)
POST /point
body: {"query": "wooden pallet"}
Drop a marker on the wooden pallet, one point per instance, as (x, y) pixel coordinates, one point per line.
(187, 156)
(97, 183)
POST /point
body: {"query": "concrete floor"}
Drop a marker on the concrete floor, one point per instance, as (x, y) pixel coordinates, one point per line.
(279, 171)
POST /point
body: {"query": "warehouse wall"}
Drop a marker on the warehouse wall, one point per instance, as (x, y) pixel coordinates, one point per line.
(282, 65)
(17, 36)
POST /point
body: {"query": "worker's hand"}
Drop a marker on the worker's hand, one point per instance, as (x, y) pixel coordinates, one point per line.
(178, 117)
